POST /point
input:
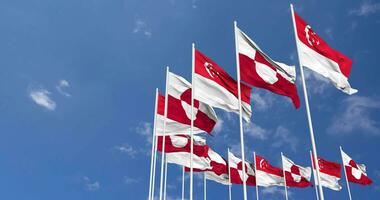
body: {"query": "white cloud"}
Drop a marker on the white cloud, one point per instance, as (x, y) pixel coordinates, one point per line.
(316, 84)
(145, 129)
(275, 191)
(262, 100)
(329, 32)
(129, 180)
(283, 137)
(141, 27)
(366, 8)
(62, 84)
(127, 149)
(41, 97)
(256, 131)
(356, 116)
(218, 126)
(91, 185)
(194, 4)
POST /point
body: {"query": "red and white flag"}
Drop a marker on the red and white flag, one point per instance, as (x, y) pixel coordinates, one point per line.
(236, 170)
(356, 173)
(329, 174)
(179, 110)
(177, 150)
(266, 174)
(217, 88)
(317, 55)
(295, 175)
(259, 70)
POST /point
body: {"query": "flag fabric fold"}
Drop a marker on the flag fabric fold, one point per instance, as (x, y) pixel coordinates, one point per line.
(236, 170)
(217, 88)
(259, 70)
(330, 174)
(266, 174)
(315, 54)
(296, 175)
(356, 173)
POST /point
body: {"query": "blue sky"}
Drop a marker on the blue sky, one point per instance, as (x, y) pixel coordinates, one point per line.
(77, 88)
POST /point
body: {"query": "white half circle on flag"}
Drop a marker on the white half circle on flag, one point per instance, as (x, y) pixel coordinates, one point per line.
(187, 109)
(178, 141)
(266, 73)
(356, 173)
(296, 178)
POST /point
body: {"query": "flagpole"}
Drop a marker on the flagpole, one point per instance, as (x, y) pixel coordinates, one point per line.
(229, 175)
(345, 174)
(257, 185)
(315, 179)
(183, 182)
(240, 113)
(204, 186)
(152, 160)
(192, 120)
(166, 177)
(164, 133)
(283, 171)
(314, 148)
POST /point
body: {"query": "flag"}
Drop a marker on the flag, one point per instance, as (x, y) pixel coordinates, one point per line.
(177, 150)
(266, 174)
(356, 173)
(329, 174)
(218, 170)
(315, 54)
(259, 70)
(217, 88)
(295, 175)
(236, 170)
(179, 110)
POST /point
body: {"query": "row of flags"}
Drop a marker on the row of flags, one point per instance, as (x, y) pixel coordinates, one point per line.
(260, 172)
(187, 109)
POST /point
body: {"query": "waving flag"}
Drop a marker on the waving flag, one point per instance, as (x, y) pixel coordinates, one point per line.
(329, 174)
(236, 169)
(356, 173)
(318, 56)
(259, 70)
(217, 88)
(179, 110)
(295, 175)
(266, 174)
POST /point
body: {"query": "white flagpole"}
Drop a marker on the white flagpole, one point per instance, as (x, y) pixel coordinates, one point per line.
(283, 172)
(204, 186)
(345, 173)
(166, 177)
(240, 113)
(257, 185)
(229, 175)
(192, 120)
(315, 178)
(183, 182)
(164, 133)
(314, 148)
(152, 159)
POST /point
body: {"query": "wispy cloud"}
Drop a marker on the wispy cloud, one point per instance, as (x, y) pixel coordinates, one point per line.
(275, 191)
(62, 85)
(91, 185)
(42, 98)
(283, 137)
(356, 116)
(127, 149)
(262, 100)
(366, 8)
(145, 129)
(141, 27)
(130, 180)
(256, 131)
(329, 32)
(316, 83)
(218, 126)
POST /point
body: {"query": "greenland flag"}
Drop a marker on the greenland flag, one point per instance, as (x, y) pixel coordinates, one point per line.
(329, 174)
(217, 88)
(177, 150)
(318, 56)
(295, 175)
(266, 174)
(356, 173)
(179, 110)
(236, 169)
(259, 70)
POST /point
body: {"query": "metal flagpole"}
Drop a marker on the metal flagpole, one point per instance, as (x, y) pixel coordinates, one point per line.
(229, 175)
(345, 174)
(314, 148)
(204, 186)
(192, 121)
(315, 178)
(257, 185)
(152, 160)
(183, 182)
(240, 113)
(283, 172)
(164, 133)
(166, 177)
